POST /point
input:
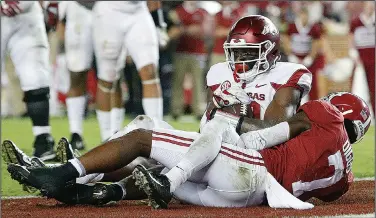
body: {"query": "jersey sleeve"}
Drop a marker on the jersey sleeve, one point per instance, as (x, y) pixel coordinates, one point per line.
(216, 75)
(300, 79)
(290, 29)
(316, 31)
(321, 112)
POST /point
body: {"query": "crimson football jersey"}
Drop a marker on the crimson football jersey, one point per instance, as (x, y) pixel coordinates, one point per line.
(189, 44)
(317, 162)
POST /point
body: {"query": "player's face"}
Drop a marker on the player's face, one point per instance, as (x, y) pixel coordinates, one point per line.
(245, 54)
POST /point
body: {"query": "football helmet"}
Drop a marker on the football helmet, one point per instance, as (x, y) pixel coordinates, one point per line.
(252, 46)
(354, 109)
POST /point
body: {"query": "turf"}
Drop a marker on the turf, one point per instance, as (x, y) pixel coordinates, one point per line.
(19, 131)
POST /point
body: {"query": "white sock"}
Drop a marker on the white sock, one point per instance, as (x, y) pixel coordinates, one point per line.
(79, 167)
(117, 119)
(76, 111)
(104, 119)
(38, 130)
(91, 178)
(153, 107)
(179, 174)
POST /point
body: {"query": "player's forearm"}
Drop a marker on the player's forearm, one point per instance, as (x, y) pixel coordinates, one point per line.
(250, 124)
(276, 134)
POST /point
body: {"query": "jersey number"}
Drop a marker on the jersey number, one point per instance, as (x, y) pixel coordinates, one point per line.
(256, 109)
(335, 160)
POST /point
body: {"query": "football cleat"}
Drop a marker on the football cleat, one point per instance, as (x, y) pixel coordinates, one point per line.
(13, 155)
(77, 142)
(156, 186)
(44, 147)
(49, 180)
(98, 194)
(64, 151)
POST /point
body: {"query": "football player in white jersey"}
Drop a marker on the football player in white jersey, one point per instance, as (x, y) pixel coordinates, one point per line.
(75, 21)
(274, 88)
(120, 29)
(24, 36)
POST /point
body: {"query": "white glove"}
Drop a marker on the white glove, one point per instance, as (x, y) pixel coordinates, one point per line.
(163, 37)
(229, 94)
(307, 61)
(293, 59)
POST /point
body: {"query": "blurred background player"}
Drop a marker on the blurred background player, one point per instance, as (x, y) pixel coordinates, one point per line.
(75, 23)
(303, 45)
(24, 36)
(362, 44)
(137, 36)
(190, 57)
(224, 19)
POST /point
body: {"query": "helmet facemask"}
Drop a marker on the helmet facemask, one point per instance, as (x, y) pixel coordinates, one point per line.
(248, 60)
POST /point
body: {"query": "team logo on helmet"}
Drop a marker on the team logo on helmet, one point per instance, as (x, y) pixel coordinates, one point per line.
(269, 29)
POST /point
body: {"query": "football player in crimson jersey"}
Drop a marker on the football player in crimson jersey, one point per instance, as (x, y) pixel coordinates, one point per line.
(310, 155)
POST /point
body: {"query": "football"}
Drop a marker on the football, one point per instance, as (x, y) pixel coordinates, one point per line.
(236, 109)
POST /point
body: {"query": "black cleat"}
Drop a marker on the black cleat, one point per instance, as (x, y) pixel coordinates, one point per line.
(156, 186)
(49, 180)
(36, 162)
(98, 194)
(64, 151)
(13, 155)
(44, 147)
(77, 142)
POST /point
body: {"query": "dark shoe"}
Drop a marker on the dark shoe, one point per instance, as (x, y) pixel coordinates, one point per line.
(77, 142)
(49, 180)
(44, 147)
(64, 151)
(156, 186)
(13, 155)
(98, 194)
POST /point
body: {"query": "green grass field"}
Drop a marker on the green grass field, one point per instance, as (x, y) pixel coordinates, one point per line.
(19, 131)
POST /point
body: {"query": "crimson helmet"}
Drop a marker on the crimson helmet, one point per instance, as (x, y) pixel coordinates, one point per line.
(355, 111)
(252, 46)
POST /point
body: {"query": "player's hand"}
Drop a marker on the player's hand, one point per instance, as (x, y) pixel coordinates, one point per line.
(307, 61)
(10, 8)
(293, 59)
(229, 94)
(163, 37)
(52, 15)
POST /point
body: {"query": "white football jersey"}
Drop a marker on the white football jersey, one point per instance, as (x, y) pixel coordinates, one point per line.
(263, 88)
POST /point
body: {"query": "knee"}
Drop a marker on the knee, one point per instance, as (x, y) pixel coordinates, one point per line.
(107, 87)
(143, 138)
(78, 79)
(148, 72)
(36, 95)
